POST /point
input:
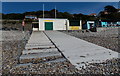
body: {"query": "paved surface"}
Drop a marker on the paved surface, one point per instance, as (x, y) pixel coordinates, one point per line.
(42, 57)
(79, 51)
(39, 49)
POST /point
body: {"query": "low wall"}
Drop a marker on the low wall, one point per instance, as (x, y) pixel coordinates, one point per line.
(105, 28)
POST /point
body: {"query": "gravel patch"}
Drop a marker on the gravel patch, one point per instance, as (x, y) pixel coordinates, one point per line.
(46, 68)
(13, 42)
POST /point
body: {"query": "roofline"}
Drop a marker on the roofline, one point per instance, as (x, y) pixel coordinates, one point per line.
(54, 18)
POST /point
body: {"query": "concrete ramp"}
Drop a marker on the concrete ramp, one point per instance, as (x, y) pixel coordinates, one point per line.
(39, 49)
(78, 51)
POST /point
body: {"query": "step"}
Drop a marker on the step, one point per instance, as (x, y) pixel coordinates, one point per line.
(60, 59)
(39, 60)
(26, 66)
(38, 44)
(40, 57)
(56, 60)
(39, 50)
(39, 47)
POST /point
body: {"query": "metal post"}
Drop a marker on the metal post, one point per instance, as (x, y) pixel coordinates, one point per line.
(55, 11)
(80, 24)
(43, 10)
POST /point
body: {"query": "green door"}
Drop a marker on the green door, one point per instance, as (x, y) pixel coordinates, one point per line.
(48, 25)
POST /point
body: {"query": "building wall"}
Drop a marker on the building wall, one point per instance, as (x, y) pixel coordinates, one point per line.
(104, 24)
(58, 24)
(118, 23)
(35, 26)
(88, 24)
(78, 27)
(109, 24)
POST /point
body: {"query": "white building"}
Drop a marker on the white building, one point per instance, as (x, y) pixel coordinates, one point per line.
(52, 24)
(30, 17)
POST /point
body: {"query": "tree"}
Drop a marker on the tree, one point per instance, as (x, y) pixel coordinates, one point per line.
(109, 13)
(110, 9)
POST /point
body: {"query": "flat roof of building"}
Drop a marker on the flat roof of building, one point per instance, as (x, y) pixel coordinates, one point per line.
(52, 18)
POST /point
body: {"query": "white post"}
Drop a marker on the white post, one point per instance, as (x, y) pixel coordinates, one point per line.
(43, 10)
(67, 25)
(80, 24)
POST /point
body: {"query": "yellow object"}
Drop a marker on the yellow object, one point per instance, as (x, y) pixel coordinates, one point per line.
(74, 28)
(48, 20)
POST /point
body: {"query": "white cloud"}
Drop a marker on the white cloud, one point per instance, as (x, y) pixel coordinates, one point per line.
(60, 0)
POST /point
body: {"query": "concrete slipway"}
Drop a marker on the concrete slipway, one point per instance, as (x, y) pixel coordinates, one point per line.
(75, 50)
(38, 48)
(78, 51)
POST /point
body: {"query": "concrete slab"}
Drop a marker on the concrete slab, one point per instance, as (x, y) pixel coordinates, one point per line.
(51, 61)
(39, 38)
(39, 55)
(35, 44)
(38, 51)
(78, 51)
(57, 60)
(51, 46)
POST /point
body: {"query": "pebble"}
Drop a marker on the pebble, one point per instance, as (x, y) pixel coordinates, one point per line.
(106, 68)
(12, 45)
